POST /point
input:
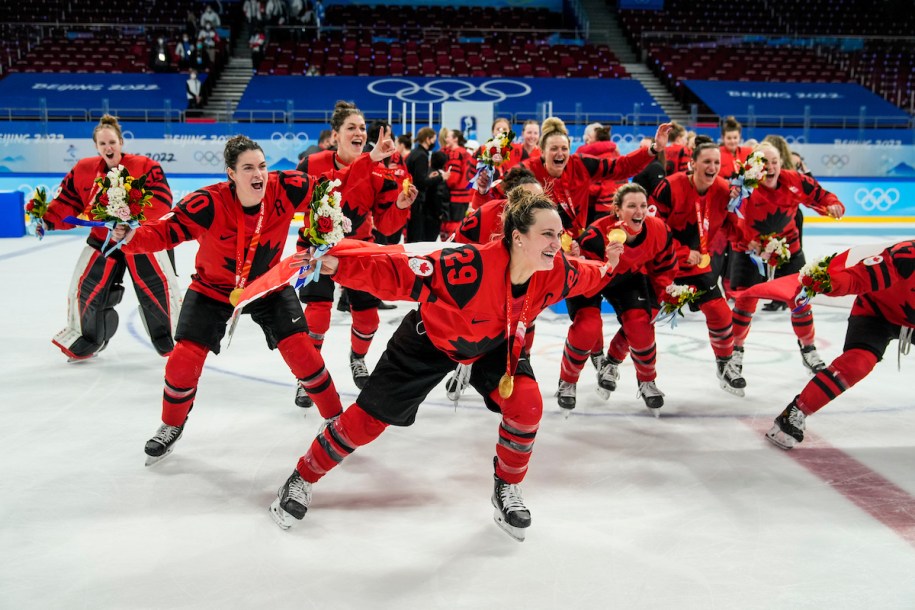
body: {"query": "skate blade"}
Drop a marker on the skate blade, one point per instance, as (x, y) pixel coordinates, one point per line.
(780, 439)
(656, 411)
(565, 412)
(515, 532)
(280, 517)
(603, 392)
(730, 390)
(152, 460)
(79, 359)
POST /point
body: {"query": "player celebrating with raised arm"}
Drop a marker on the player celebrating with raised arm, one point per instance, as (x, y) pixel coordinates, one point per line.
(475, 305)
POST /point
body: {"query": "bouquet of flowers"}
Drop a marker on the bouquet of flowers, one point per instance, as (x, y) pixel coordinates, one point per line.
(749, 175)
(673, 299)
(120, 199)
(814, 279)
(773, 254)
(493, 154)
(36, 208)
(327, 225)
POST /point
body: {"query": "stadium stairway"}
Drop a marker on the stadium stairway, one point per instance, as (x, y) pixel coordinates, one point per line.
(231, 83)
(605, 29)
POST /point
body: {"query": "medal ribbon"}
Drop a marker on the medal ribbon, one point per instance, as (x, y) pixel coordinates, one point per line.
(513, 350)
(243, 268)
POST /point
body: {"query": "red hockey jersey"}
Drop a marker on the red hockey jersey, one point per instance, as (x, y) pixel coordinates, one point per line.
(78, 189)
(462, 168)
(484, 225)
(462, 291)
(730, 163)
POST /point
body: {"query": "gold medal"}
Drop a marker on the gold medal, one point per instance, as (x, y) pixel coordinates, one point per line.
(235, 296)
(566, 241)
(704, 261)
(406, 187)
(506, 385)
(616, 236)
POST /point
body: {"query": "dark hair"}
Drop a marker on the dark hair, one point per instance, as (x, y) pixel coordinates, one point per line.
(374, 129)
(235, 146)
(406, 139)
(519, 212)
(702, 139)
(342, 111)
(730, 124)
(458, 135)
(425, 133)
(602, 134)
(627, 189)
(517, 176)
(325, 135)
(108, 122)
(437, 160)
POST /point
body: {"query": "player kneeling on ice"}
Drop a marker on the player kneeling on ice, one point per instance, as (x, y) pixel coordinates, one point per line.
(884, 280)
(475, 305)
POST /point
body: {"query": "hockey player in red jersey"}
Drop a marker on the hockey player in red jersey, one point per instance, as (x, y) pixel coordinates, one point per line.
(241, 225)
(566, 178)
(97, 284)
(732, 153)
(475, 305)
(884, 281)
(461, 169)
(648, 265)
(378, 203)
(695, 207)
(771, 210)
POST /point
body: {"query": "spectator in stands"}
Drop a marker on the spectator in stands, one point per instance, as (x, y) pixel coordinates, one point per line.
(201, 60)
(677, 152)
(425, 180)
(210, 17)
(190, 24)
(184, 52)
(161, 58)
(255, 13)
(312, 71)
(732, 153)
(325, 140)
(276, 12)
(256, 43)
(530, 139)
(210, 39)
(194, 97)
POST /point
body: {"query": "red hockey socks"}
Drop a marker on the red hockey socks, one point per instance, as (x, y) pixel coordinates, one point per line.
(352, 429)
(580, 342)
(307, 365)
(744, 308)
(802, 323)
(844, 372)
(640, 333)
(521, 413)
(365, 325)
(317, 315)
(720, 330)
(182, 372)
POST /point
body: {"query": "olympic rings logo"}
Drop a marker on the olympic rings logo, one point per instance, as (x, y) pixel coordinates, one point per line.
(795, 139)
(126, 135)
(877, 198)
(28, 189)
(207, 156)
(443, 90)
(626, 138)
(287, 140)
(837, 161)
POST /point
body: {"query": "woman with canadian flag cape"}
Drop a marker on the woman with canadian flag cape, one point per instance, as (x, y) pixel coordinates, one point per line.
(476, 303)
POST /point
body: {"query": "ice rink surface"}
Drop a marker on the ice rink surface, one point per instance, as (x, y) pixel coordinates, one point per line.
(692, 510)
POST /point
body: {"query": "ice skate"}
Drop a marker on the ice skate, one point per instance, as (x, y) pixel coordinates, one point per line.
(607, 377)
(511, 514)
(161, 445)
(653, 397)
(292, 500)
(789, 427)
(566, 395)
(302, 399)
(457, 383)
(360, 371)
(737, 359)
(811, 358)
(598, 360)
(729, 377)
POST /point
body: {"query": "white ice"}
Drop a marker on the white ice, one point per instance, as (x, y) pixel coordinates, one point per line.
(692, 510)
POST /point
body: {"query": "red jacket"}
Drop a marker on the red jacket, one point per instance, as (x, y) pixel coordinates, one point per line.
(368, 199)
(463, 168)
(484, 225)
(571, 190)
(885, 284)
(463, 291)
(678, 157)
(730, 163)
(651, 252)
(773, 210)
(78, 189)
(210, 215)
(676, 199)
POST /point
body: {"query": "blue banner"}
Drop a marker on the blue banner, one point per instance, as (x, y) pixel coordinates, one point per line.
(63, 94)
(820, 103)
(650, 5)
(553, 5)
(875, 198)
(266, 95)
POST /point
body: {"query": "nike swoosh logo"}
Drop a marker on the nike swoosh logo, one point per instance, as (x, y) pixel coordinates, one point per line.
(475, 321)
(224, 237)
(642, 298)
(294, 320)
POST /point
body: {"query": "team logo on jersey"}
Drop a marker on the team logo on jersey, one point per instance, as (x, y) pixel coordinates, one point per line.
(873, 260)
(420, 267)
(793, 189)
